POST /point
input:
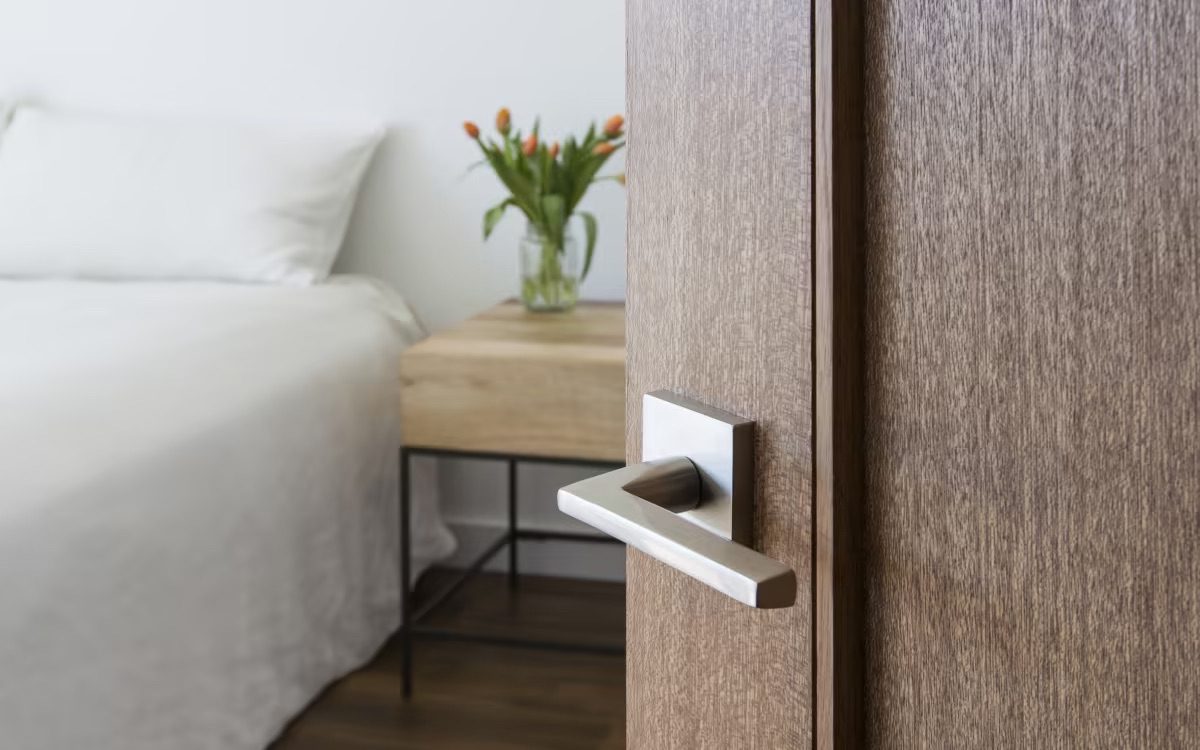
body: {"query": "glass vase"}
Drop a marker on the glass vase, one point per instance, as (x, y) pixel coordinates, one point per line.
(550, 268)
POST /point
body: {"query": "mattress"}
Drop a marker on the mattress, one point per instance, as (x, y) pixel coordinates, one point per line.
(198, 524)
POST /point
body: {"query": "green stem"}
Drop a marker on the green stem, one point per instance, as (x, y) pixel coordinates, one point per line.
(547, 281)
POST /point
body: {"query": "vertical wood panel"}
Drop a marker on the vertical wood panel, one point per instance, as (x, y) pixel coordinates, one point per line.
(837, 180)
(719, 309)
(1033, 374)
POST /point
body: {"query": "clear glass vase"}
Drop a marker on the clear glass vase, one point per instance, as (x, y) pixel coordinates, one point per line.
(550, 270)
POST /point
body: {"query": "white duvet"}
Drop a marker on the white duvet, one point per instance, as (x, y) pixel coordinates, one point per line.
(198, 523)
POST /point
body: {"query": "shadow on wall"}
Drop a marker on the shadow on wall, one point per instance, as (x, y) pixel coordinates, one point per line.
(402, 231)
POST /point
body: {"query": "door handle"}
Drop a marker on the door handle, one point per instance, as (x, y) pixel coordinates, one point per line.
(688, 509)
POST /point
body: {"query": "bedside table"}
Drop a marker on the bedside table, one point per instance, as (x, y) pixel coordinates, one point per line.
(513, 386)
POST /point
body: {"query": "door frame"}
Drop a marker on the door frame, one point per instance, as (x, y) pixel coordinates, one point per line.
(837, 136)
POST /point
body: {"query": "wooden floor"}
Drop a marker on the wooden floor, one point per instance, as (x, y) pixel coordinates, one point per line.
(488, 697)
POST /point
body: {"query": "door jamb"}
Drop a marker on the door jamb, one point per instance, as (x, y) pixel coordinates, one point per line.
(838, 179)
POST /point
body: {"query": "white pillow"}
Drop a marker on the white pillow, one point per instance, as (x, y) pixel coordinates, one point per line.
(112, 197)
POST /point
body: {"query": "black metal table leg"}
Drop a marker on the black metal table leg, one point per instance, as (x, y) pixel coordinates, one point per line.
(406, 622)
(512, 523)
(411, 618)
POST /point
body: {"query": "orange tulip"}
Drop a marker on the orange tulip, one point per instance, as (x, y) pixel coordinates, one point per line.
(613, 126)
(554, 150)
(472, 129)
(604, 148)
(621, 178)
(503, 120)
(530, 145)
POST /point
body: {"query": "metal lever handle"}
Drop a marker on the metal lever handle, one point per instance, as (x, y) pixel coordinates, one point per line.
(638, 505)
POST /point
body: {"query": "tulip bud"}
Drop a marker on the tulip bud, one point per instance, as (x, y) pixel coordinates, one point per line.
(472, 129)
(503, 121)
(530, 145)
(554, 150)
(613, 126)
(604, 148)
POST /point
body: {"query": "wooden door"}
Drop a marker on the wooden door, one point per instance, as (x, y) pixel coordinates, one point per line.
(946, 255)
(1031, 535)
(720, 309)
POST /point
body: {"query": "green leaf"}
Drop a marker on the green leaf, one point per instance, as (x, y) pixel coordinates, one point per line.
(493, 216)
(589, 232)
(523, 194)
(546, 173)
(583, 179)
(552, 209)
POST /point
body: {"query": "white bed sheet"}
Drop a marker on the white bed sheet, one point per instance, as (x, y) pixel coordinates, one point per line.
(198, 522)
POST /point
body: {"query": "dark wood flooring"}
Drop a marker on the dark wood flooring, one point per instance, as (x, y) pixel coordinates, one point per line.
(469, 695)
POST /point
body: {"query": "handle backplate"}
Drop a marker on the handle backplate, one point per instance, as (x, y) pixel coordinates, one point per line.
(690, 502)
(721, 445)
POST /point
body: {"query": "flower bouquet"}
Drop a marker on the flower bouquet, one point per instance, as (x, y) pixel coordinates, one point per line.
(546, 182)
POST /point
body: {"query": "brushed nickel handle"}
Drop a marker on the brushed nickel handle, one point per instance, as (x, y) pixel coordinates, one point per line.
(654, 505)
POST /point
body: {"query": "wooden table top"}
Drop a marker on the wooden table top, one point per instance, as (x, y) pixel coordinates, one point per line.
(594, 330)
(514, 382)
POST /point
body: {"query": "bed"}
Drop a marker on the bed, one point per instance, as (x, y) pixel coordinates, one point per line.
(198, 515)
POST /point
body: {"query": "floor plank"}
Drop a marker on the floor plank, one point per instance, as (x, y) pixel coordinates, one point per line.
(487, 697)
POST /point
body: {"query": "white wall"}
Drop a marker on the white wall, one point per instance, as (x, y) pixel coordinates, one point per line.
(422, 67)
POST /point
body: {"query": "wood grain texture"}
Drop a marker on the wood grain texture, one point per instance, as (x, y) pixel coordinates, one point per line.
(477, 697)
(719, 309)
(837, 410)
(1033, 374)
(510, 381)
